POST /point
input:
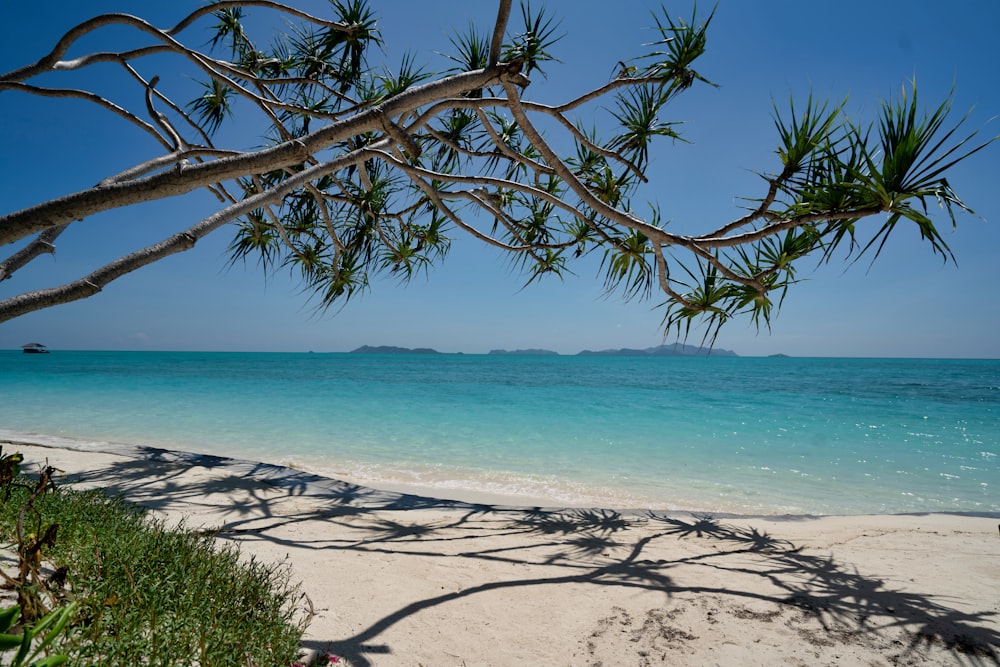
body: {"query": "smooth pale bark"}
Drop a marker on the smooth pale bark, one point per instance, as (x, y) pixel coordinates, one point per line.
(94, 282)
(42, 245)
(186, 178)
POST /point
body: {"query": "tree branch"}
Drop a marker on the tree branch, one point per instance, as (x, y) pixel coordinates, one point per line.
(628, 220)
(94, 282)
(52, 59)
(83, 204)
(499, 28)
(42, 245)
(69, 93)
(777, 227)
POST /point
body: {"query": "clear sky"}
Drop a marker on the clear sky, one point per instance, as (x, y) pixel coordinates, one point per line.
(909, 303)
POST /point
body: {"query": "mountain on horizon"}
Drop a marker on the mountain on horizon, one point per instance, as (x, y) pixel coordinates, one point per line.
(392, 349)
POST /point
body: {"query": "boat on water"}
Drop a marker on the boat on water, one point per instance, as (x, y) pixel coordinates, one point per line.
(35, 348)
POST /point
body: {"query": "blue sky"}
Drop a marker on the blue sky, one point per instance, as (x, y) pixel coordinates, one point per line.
(909, 303)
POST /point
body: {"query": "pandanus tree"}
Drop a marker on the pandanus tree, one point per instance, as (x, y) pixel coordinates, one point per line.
(364, 170)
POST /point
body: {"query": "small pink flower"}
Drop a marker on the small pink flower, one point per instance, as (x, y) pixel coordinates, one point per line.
(332, 658)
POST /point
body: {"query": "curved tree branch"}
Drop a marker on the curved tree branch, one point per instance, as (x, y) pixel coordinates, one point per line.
(655, 234)
(68, 93)
(42, 245)
(83, 204)
(97, 280)
(499, 28)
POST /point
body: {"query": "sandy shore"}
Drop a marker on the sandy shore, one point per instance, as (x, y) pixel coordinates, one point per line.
(400, 579)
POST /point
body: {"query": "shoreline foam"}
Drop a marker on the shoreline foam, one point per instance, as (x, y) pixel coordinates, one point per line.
(282, 474)
(515, 490)
(465, 486)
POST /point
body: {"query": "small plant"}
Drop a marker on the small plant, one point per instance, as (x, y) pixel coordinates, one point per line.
(10, 468)
(29, 582)
(52, 625)
(137, 592)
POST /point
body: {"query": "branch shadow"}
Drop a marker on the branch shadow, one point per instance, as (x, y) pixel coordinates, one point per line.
(837, 594)
(582, 546)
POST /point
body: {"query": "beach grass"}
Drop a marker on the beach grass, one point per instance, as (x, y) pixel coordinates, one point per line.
(145, 593)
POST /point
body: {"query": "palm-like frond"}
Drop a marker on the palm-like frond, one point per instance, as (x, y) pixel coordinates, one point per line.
(212, 108)
(626, 265)
(408, 74)
(352, 43)
(532, 45)
(806, 136)
(915, 152)
(680, 44)
(638, 114)
(472, 50)
(706, 298)
(230, 29)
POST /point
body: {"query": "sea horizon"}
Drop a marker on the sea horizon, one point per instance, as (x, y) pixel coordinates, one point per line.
(489, 353)
(734, 434)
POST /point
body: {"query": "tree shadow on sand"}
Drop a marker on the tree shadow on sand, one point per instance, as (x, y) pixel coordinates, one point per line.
(601, 548)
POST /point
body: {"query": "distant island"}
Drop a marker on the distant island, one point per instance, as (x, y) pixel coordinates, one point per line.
(392, 349)
(674, 350)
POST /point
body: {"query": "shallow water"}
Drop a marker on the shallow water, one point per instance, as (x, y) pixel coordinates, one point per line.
(746, 435)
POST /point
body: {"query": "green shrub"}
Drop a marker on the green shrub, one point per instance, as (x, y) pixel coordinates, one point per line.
(149, 595)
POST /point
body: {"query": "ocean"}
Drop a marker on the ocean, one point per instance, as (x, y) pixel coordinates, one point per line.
(711, 434)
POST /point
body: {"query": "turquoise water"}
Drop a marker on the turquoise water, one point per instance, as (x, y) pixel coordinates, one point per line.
(745, 435)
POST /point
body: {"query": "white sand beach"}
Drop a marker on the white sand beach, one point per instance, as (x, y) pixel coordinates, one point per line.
(399, 579)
